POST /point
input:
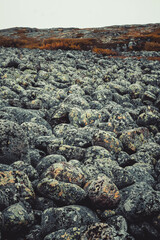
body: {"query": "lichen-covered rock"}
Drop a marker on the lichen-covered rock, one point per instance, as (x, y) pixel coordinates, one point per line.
(91, 172)
(124, 159)
(53, 147)
(26, 168)
(106, 140)
(152, 148)
(41, 142)
(96, 152)
(140, 173)
(62, 192)
(47, 161)
(65, 172)
(142, 157)
(133, 139)
(34, 130)
(71, 152)
(148, 118)
(54, 219)
(35, 156)
(5, 167)
(149, 96)
(4, 200)
(139, 201)
(121, 121)
(83, 118)
(122, 177)
(102, 192)
(73, 233)
(42, 203)
(61, 129)
(16, 186)
(13, 143)
(101, 231)
(136, 90)
(80, 137)
(17, 218)
(144, 230)
(22, 115)
(76, 100)
(102, 95)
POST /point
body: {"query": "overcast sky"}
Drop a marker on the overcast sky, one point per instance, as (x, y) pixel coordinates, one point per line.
(77, 13)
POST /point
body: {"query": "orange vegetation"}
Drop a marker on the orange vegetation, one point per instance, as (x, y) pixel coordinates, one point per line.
(68, 43)
(104, 51)
(104, 41)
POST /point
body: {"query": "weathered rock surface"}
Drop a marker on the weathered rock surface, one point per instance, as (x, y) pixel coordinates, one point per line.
(80, 133)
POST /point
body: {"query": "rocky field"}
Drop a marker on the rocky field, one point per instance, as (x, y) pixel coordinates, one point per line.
(79, 145)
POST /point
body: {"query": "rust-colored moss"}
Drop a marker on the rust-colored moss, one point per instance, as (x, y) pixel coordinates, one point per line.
(68, 43)
(104, 51)
(101, 40)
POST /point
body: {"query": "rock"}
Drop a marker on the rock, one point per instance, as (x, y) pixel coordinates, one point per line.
(35, 156)
(26, 168)
(148, 118)
(122, 177)
(17, 218)
(12, 62)
(136, 90)
(16, 186)
(13, 143)
(61, 192)
(24, 115)
(41, 142)
(54, 219)
(70, 55)
(70, 233)
(34, 130)
(142, 157)
(101, 231)
(61, 129)
(157, 138)
(124, 159)
(144, 230)
(82, 118)
(74, 100)
(71, 152)
(6, 93)
(106, 140)
(96, 152)
(34, 233)
(139, 201)
(47, 161)
(42, 203)
(140, 174)
(102, 95)
(79, 137)
(89, 137)
(102, 192)
(121, 121)
(133, 139)
(5, 167)
(149, 96)
(65, 172)
(153, 149)
(91, 172)
(81, 66)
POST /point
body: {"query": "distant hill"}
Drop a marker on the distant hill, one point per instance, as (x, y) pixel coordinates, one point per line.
(106, 40)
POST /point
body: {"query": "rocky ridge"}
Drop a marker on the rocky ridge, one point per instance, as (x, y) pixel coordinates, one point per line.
(79, 144)
(114, 40)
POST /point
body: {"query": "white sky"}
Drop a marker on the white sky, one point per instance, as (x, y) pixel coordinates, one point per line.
(77, 13)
